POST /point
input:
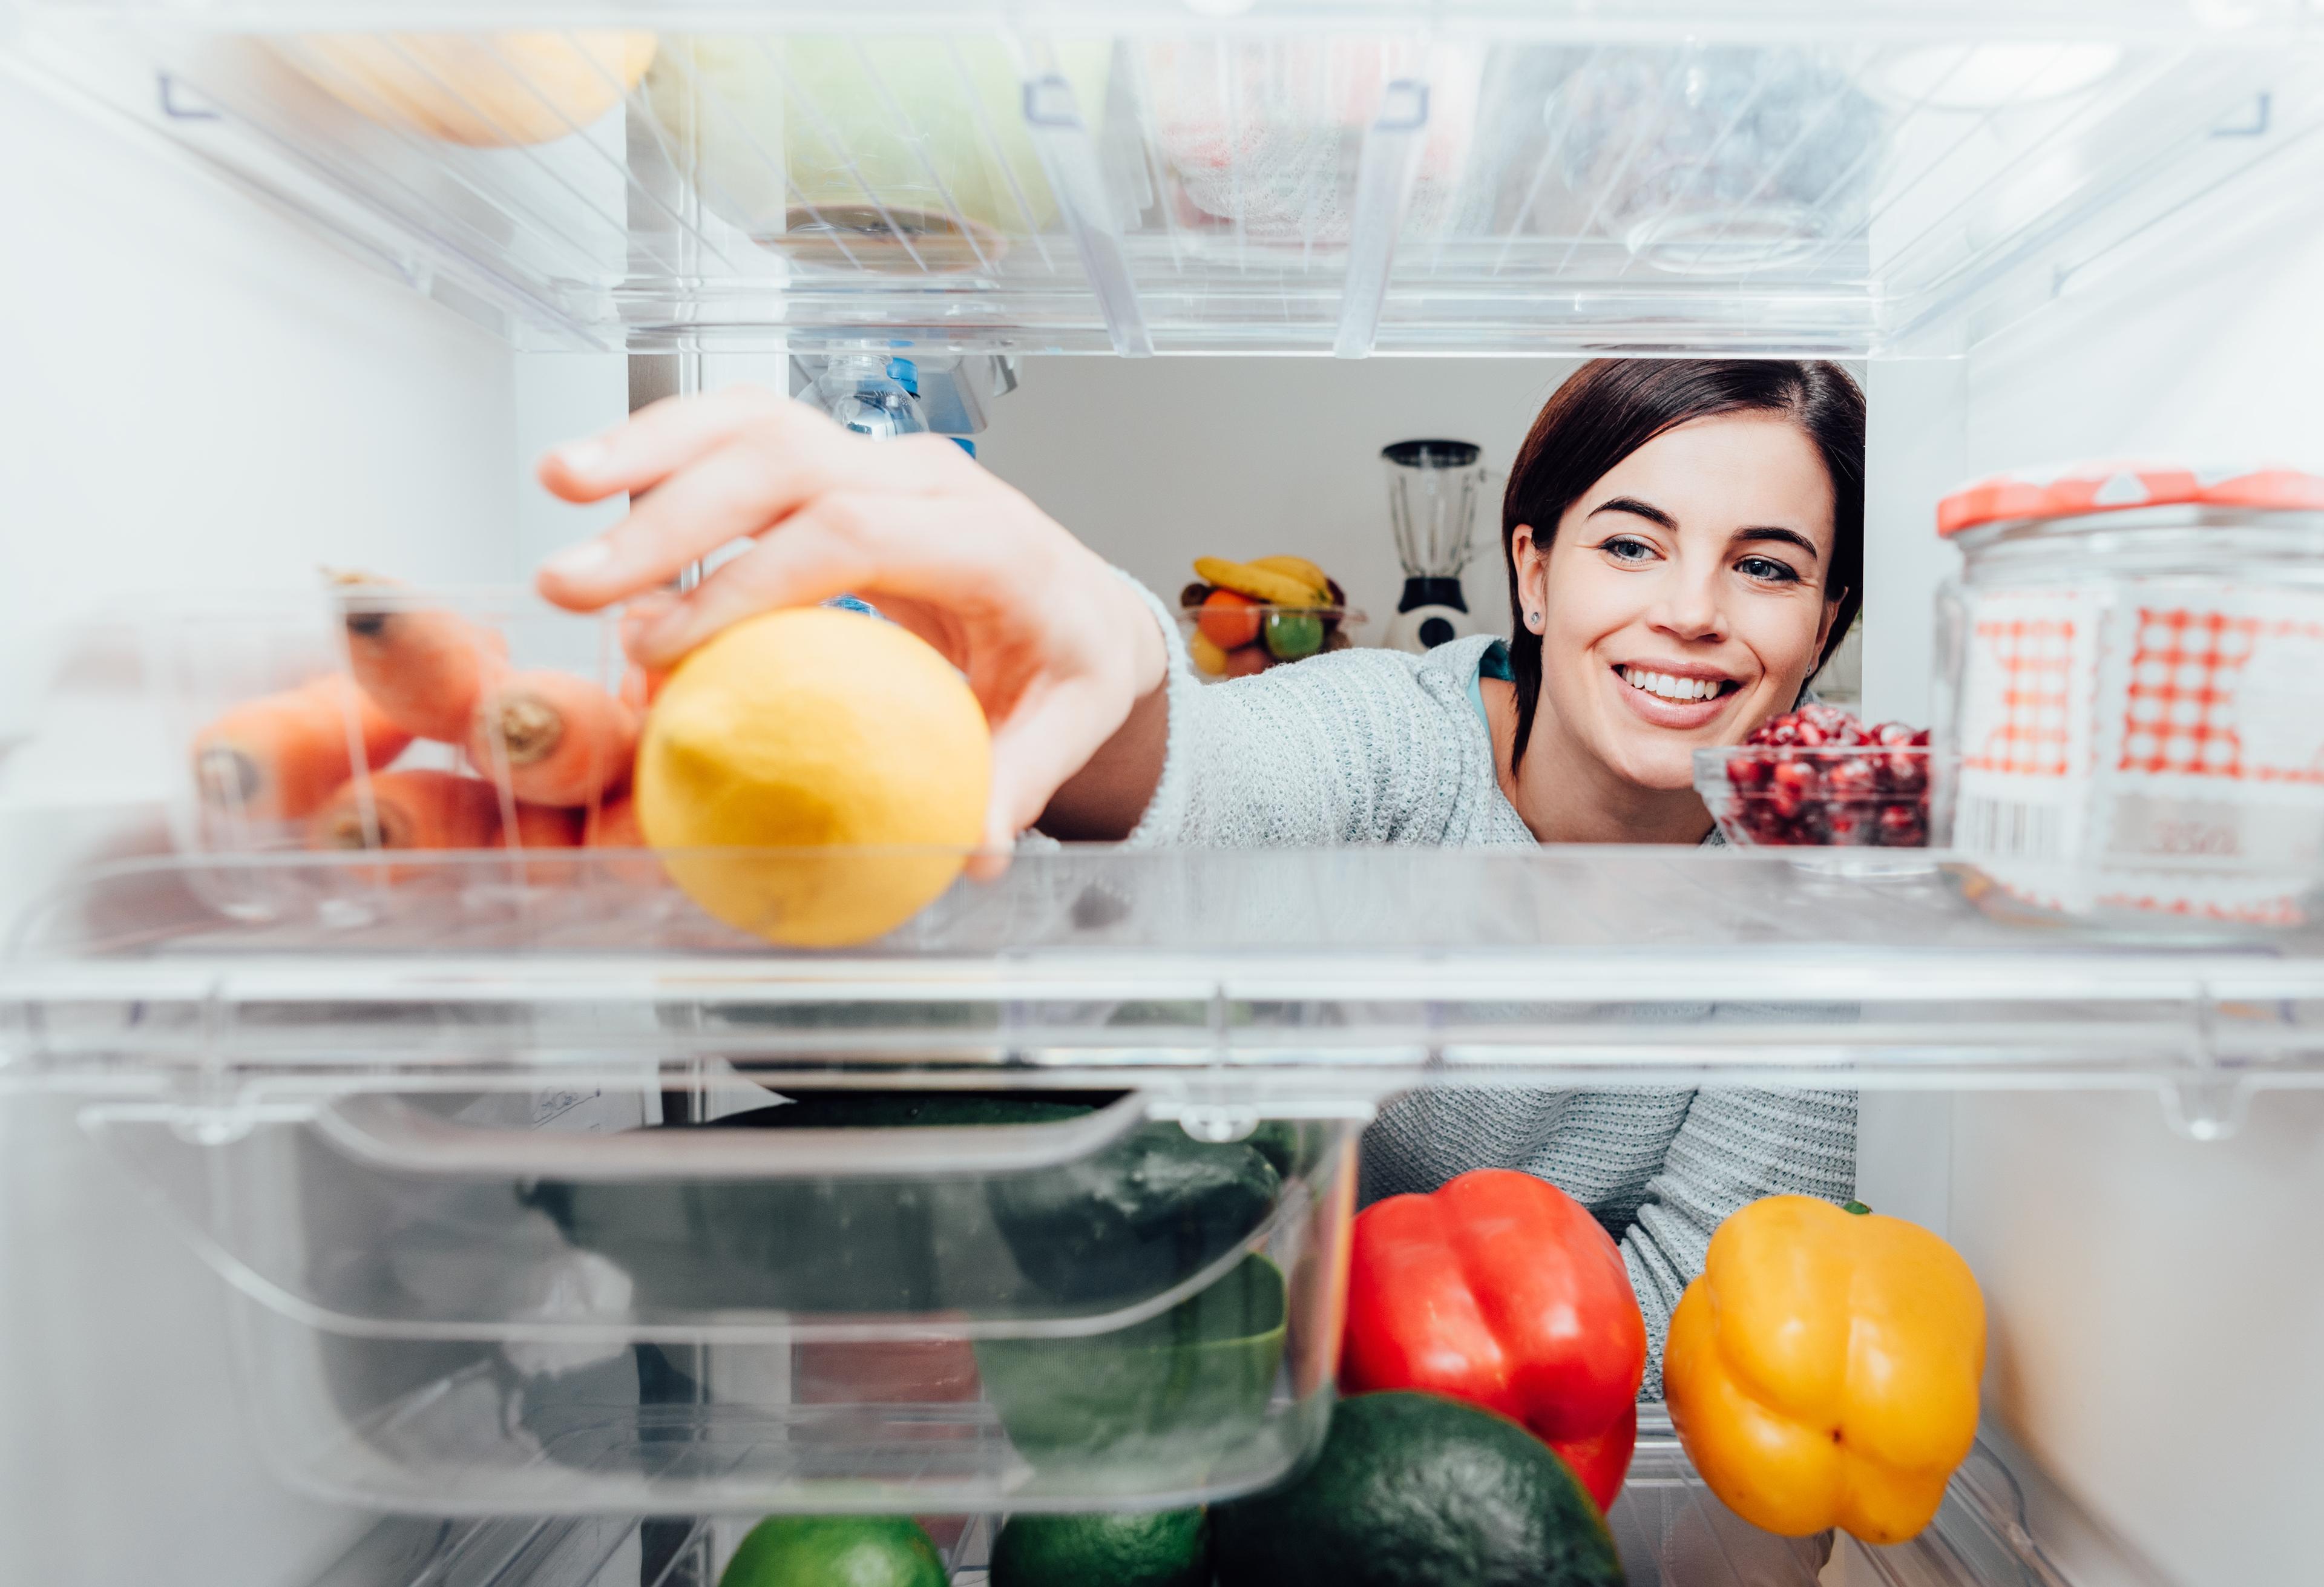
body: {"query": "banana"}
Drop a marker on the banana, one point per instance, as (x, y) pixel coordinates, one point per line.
(1297, 568)
(1260, 583)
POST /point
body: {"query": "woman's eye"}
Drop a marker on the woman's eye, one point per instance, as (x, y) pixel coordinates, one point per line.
(1766, 569)
(1625, 548)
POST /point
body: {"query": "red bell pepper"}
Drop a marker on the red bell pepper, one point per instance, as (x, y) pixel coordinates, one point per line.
(1502, 1290)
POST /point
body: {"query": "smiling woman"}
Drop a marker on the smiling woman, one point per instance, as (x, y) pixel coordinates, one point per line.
(1683, 542)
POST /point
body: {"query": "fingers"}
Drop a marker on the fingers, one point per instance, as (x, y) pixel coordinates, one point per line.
(662, 438)
(1040, 745)
(743, 485)
(921, 549)
(812, 559)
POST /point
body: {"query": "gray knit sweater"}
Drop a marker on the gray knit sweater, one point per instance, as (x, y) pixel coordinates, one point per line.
(1380, 747)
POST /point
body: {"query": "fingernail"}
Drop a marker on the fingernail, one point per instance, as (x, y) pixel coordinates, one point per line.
(585, 457)
(582, 560)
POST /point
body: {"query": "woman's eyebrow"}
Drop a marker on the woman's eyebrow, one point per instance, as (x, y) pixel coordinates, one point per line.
(1636, 509)
(1790, 537)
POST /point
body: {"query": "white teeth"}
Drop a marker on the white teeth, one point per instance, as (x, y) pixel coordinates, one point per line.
(1665, 686)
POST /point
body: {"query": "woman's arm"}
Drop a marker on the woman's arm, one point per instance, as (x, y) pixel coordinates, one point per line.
(1061, 651)
(1100, 729)
(1736, 1146)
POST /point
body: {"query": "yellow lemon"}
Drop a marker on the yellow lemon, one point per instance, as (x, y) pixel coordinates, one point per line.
(482, 90)
(839, 740)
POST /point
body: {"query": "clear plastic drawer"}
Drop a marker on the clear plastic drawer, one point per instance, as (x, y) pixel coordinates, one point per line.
(923, 1301)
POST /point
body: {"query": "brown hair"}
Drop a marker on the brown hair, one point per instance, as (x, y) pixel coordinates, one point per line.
(1610, 407)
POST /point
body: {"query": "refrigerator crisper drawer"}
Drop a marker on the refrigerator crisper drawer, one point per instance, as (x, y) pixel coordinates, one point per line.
(1137, 177)
(1670, 1530)
(925, 1301)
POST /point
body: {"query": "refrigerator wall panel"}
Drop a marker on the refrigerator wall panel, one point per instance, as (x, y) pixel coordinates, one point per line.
(2155, 1298)
(201, 394)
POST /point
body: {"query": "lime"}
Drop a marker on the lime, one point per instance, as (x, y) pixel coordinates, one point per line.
(835, 1551)
(1163, 1548)
(1293, 635)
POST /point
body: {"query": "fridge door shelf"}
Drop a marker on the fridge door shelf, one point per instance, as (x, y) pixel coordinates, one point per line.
(1670, 1532)
(1225, 984)
(1823, 178)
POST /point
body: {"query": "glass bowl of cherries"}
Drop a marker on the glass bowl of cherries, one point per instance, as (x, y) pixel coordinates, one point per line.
(1818, 777)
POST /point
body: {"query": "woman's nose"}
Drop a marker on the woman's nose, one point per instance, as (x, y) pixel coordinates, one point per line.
(1689, 609)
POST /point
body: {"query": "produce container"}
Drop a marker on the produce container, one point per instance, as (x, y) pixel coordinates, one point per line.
(281, 715)
(2132, 680)
(1729, 158)
(1854, 796)
(1252, 638)
(515, 1301)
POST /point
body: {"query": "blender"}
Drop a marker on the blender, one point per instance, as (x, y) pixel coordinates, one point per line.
(1432, 488)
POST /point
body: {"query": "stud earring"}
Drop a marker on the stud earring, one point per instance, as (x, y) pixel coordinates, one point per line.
(1533, 620)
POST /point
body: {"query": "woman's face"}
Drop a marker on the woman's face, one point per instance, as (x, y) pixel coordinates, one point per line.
(1683, 599)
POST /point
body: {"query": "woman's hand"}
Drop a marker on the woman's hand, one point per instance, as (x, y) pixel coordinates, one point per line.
(1057, 646)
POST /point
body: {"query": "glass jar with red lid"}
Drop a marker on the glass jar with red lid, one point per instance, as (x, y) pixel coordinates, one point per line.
(2130, 711)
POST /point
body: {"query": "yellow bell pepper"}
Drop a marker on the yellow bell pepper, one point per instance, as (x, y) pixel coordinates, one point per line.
(1823, 1370)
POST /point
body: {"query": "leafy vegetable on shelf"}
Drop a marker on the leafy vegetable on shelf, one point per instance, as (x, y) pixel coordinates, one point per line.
(1419, 1490)
(1823, 1370)
(1502, 1290)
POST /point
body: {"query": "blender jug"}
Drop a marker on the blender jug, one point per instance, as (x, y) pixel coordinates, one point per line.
(1432, 488)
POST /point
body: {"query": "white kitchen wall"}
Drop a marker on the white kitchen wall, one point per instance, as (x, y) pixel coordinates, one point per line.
(1158, 461)
(195, 395)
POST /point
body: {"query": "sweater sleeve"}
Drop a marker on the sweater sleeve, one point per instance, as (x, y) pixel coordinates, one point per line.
(1343, 748)
(1734, 1147)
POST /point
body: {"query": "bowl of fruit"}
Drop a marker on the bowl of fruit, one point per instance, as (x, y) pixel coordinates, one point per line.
(1818, 777)
(1245, 617)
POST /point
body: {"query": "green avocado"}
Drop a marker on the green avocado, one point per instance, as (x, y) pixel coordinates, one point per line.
(1162, 1548)
(835, 1551)
(1419, 1490)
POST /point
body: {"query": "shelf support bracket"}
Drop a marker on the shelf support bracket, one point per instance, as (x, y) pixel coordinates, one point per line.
(1070, 160)
(1383, 189)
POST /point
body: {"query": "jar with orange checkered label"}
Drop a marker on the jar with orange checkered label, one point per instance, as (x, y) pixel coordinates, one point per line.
(2131, 688)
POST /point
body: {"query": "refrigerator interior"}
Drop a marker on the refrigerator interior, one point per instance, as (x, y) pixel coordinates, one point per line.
(2093, 237)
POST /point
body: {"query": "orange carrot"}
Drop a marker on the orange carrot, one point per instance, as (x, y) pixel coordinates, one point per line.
(426, 670)
(640, 687)
(552, 738)
(613, 824)
(418, 809)
(278, 758)
(545, 827)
